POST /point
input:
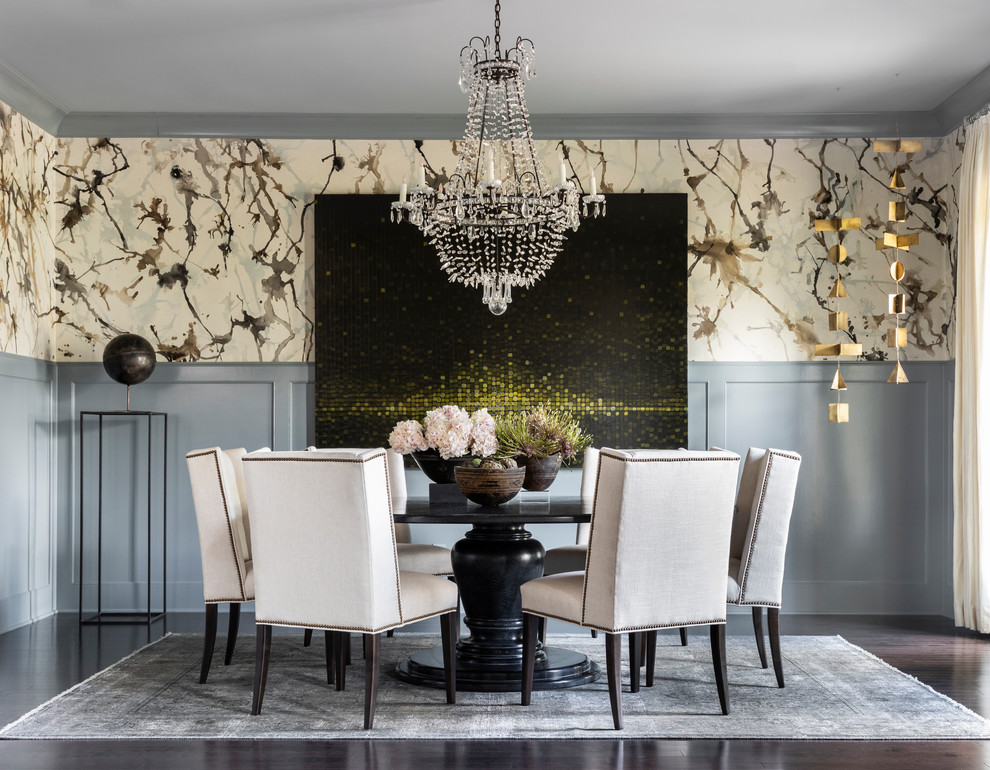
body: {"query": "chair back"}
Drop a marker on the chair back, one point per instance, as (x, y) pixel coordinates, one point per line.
(589, 479)
(396, 483)
(324, 553)
(222, 522)
(659, 539)
(761, 523)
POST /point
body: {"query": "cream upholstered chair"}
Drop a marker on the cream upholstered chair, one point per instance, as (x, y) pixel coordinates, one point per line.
(656, 554)
(325, 557)
(759, 541)
(414, 557)
(216, 477)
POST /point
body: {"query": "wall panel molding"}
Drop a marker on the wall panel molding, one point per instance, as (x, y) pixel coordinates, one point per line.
(27, 490)
(735, 405)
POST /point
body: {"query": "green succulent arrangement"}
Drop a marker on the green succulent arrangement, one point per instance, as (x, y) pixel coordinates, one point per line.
(541, 432)
(492, 463)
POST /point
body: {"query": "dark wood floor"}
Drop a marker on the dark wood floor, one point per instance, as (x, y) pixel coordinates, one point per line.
(39, 661)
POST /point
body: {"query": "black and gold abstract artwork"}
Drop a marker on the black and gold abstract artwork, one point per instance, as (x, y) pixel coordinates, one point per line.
(603, 335)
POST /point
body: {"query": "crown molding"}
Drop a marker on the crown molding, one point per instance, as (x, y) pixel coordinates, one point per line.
(971, 98)
(19, 93)
(407, 126)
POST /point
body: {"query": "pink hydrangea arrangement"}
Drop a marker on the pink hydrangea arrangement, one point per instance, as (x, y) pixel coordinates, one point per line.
(450, 430)
(407, 436)
(483, 440)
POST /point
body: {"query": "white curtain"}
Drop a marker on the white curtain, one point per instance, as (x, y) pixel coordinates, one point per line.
(971, 422)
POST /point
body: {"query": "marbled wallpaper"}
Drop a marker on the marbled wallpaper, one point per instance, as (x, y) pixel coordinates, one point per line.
(204, 245)
(27, 300)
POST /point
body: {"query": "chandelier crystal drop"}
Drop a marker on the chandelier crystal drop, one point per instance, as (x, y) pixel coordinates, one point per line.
(497, 223)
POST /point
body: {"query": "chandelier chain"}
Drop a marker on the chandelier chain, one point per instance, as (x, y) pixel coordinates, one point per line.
(498, 30)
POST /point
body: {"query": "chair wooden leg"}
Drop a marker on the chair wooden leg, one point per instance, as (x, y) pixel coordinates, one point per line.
(719, 661)
(541, 629)
(390, 633)
(758, 630)
(531, 626)
(651, 656)
(347, 647)
(261, 655)
(233, 623)
(448, 638)
(683, 631)
(340, 654)
(308, 637)
(364, 646)
(613, 669)
(209, 639)
(594, 634)
(328, 641)
(371, 678)
(635, 656)
(773, 621)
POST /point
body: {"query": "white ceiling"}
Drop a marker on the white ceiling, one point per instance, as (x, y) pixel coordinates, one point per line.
(393, 64)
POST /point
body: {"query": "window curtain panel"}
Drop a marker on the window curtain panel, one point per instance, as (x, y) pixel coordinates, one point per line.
(971, 421)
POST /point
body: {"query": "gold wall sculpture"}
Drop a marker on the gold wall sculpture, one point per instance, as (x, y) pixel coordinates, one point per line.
(838, 320)
(894, 242)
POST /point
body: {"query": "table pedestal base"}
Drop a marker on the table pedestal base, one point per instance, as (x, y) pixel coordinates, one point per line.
(560, 669)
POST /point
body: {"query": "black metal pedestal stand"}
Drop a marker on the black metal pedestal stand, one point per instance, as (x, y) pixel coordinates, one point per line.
(102, 616)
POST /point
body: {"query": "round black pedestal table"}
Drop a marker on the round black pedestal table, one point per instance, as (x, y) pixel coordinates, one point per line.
(493, 559)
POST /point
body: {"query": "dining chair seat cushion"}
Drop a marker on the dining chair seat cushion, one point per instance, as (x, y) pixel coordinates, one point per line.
(425, 596)
(732, 591)
(566, 558)
(555, 596)
(429, 559)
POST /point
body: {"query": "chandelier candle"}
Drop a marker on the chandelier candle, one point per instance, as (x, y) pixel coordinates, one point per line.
(500, 224)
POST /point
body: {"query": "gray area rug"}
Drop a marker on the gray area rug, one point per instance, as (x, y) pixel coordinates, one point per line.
(835, 690)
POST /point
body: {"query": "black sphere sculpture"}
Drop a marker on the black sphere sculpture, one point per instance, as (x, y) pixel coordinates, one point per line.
(129, 359)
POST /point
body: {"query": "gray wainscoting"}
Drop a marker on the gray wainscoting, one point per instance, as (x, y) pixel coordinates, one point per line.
(27, 490)
(871, 531)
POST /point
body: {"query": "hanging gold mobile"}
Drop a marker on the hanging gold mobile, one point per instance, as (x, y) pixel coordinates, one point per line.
(892, 239)
(838, 320)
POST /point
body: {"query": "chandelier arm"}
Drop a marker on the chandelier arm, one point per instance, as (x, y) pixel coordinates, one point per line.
(481, 138)
(529, 134)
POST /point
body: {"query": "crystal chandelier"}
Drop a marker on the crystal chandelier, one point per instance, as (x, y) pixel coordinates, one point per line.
(497, 223)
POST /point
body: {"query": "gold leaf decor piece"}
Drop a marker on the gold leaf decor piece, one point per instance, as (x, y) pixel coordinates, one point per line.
(896, 303)
(838, 253)
(838, 321)
(895, 241)
(898, 376)
(838, 290)
(897, 338)
(897, 211)
(896, 183)
(838, 412)
(896, 145)
(897, 271)
(839, 349)
(837, 382)
(837, 223)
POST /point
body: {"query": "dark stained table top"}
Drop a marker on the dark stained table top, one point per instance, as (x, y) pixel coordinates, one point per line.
(554, 510)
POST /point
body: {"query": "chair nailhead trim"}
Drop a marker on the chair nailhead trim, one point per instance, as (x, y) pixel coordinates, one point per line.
(355, 629)
(627, 629)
